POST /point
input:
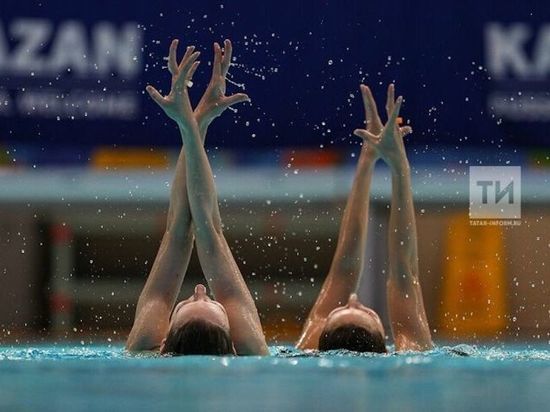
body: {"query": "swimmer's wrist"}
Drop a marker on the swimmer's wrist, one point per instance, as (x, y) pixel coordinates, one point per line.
(400, 166)
(369, 160)
(202, 120)
(369, 156)
(187, 126)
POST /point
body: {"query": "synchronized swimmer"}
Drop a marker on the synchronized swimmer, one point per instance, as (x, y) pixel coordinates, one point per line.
(229, 324)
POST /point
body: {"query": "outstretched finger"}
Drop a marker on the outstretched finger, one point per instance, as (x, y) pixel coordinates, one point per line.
(371, 111)
(392, 120)
(186, 68)
(190, 62)
(217, 65)
(188, 52)
(236, 98)
(155, 95)
(227, 53)
(172, 63)
(390, 100)
(191, 72)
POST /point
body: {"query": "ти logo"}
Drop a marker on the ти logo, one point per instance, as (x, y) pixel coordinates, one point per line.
(495, 192)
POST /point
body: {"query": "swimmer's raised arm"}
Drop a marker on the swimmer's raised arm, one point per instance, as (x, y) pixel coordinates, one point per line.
(218, 264)
(347, 263)
(406, 306)
(168, 271)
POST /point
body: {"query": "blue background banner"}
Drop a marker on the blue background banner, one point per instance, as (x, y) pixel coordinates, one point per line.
(473, 73)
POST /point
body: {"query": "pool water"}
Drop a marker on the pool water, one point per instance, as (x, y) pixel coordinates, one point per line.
(459, 378)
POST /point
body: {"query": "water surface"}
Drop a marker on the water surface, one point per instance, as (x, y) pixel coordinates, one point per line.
(51, 378)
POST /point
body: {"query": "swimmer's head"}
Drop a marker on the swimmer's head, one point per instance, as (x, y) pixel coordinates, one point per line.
(353, 327)
(198, 326)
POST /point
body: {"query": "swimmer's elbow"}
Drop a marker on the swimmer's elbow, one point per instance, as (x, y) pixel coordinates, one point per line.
(138, 344)
(141, 340)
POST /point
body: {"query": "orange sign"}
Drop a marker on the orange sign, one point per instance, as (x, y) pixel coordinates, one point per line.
(474, 280)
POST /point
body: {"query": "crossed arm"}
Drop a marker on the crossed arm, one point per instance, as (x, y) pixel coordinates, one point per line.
(166, 277)
(164, 282)
(218, 264)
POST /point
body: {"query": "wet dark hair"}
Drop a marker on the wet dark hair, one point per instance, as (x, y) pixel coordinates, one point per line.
(198, 337)
(352, 337)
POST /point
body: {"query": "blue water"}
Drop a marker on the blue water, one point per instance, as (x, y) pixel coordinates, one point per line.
(459, 378)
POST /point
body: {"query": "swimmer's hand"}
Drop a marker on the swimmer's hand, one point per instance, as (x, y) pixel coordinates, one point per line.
(214, 101)
(176, 104)
(387, 140)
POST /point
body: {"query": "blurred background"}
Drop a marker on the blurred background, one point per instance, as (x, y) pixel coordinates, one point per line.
(86, 159)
